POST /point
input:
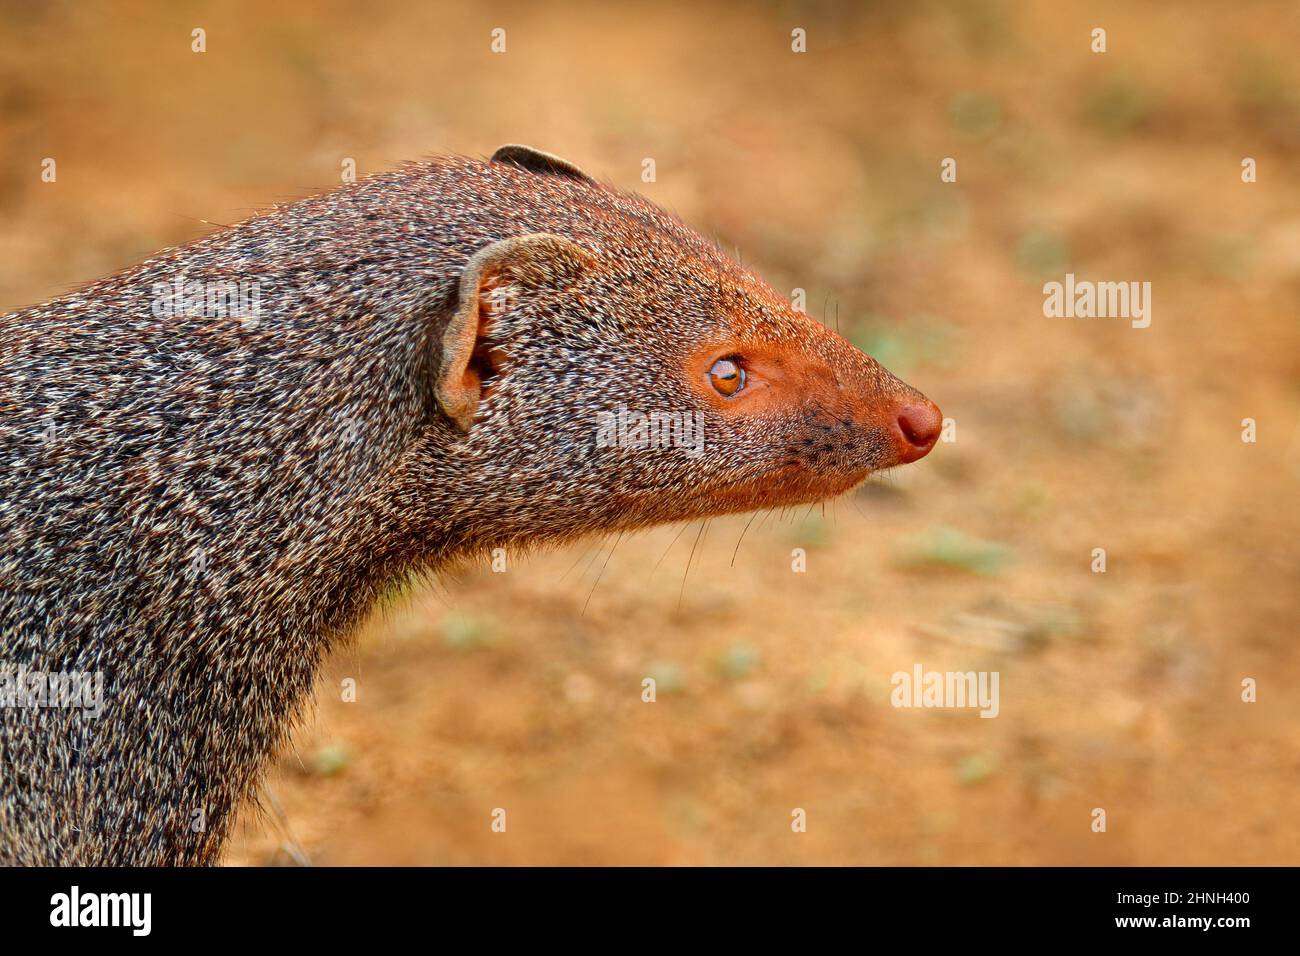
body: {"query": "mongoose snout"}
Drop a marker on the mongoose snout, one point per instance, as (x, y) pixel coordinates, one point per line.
(200, 496)
(820, 416)
(919, 426)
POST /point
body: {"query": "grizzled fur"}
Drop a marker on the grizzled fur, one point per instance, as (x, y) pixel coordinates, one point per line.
(200, 507)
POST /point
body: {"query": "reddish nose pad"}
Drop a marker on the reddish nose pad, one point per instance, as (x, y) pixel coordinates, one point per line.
(919, 425)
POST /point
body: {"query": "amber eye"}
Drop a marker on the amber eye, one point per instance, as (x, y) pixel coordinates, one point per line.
(727, 376)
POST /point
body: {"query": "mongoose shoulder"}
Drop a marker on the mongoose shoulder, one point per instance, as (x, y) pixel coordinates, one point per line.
(200, 500)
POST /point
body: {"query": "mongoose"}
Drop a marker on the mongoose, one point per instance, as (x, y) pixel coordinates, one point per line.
(198, 505)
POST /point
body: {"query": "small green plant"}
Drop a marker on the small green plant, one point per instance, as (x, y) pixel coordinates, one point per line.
(944, 547)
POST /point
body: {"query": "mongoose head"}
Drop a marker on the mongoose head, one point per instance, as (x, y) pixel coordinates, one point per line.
(442, 358)
(605, 368)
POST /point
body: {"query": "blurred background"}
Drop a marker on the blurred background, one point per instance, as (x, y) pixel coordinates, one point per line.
(522, 690)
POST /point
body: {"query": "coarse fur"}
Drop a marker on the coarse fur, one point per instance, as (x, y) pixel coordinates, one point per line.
(199, 507)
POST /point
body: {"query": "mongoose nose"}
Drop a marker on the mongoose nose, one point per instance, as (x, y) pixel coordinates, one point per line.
(919, 425)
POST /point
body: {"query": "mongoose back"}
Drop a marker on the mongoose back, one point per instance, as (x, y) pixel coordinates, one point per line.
(197, 505)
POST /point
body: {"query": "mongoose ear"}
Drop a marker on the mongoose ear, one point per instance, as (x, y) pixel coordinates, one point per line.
(536, 161)
(493, 278)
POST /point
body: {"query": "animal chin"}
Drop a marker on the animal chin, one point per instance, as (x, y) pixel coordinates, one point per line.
(790, 485)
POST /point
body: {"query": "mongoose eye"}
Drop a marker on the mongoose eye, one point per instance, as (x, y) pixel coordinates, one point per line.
(727, 376)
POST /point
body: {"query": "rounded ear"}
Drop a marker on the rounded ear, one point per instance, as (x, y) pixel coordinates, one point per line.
(537, 161)
(494, 275)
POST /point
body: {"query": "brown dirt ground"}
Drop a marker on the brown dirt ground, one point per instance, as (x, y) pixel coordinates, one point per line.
(522, 690)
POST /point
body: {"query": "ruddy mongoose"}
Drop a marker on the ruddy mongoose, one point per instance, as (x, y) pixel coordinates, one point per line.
(198, 502)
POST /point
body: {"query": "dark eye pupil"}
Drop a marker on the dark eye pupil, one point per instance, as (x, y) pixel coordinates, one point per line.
(727, 376)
